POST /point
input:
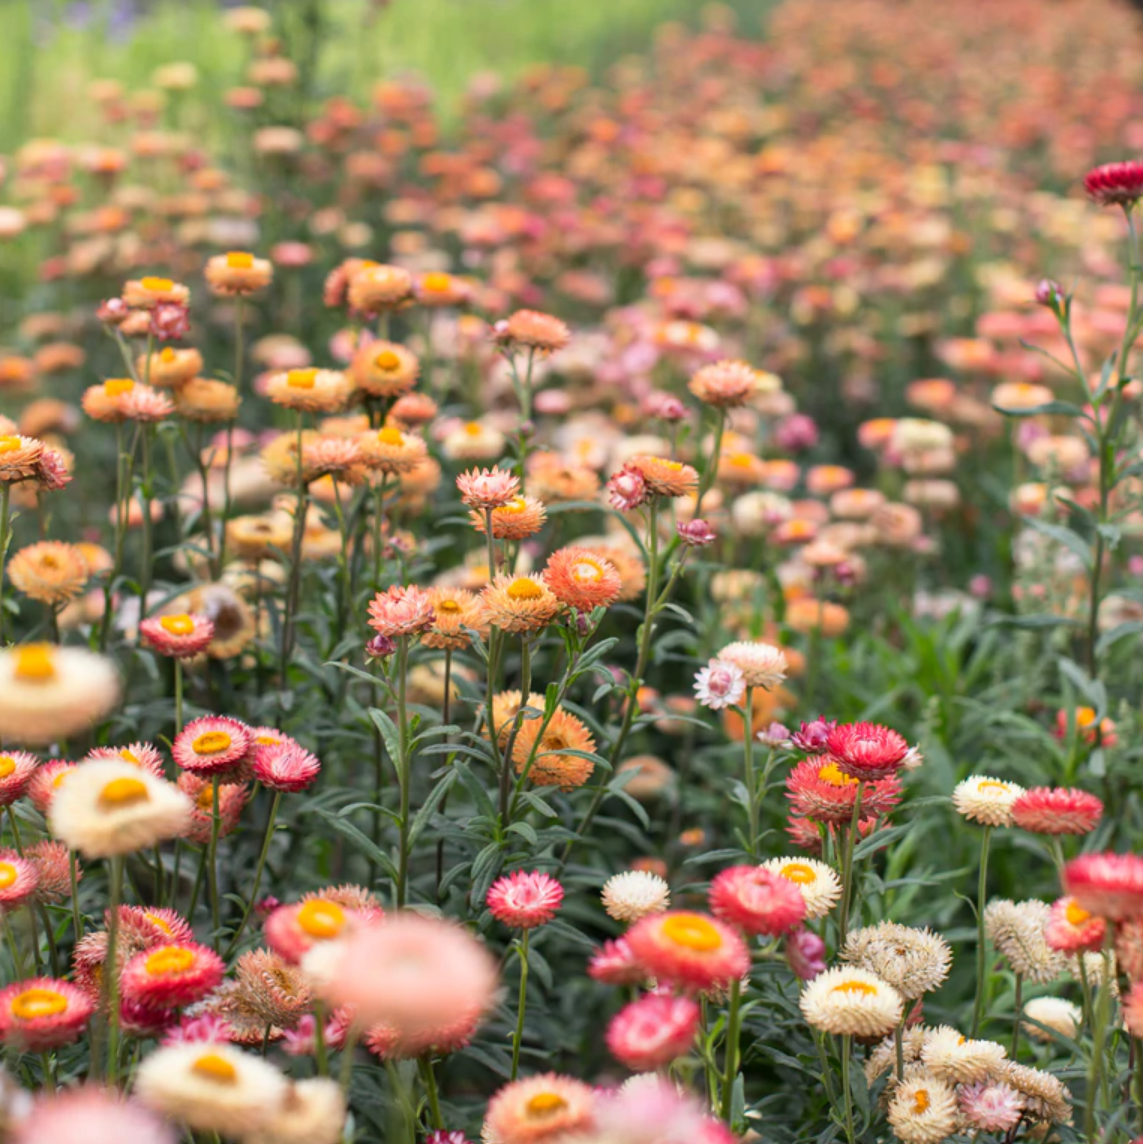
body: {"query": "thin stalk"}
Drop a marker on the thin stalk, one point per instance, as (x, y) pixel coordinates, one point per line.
(212, 862)
(428, 1076)
(404, 770)
(267, 837)
(239, 359)
(848, 895)
(5, 538)
(981, 937)
(521, 1001)
(518, 722)
(846, 1090)
(110, 969)
(146, 487)
(178, 695)
(1018, 1007)
(751, 779)
(733, 1033)
(293, 594)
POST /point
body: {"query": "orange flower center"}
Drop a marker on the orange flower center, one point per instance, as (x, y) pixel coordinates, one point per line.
(692, 931)
(993, 784)
(7, 766)
(741, 460)
(1076, 914)
(215, 1067)
(831, 773)
(118, 386)
(239, 260)
(205, 798)
(387, 360)
(921, 1101)
(123, 792)
(177, 625)
(321, 919)
(545, 1104)
(155, 920)
(514, 507)
(587, 572)
(524, 589)
(35, 663)
(474, 429)
(861, 987)
(436, 282)
(130, 757)
(157, 285)
(301, 378)
(211, 743)
(8, 875)
(167, 354)
(168, 960)
(35, 1003)
(798, 873)
(1085, 716)
(9, 444)
(449, 606)
(390, 436)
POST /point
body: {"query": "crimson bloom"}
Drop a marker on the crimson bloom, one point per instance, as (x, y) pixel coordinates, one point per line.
(524, 901)
(867, 750)
(1115, 184)
(171, 976)
(42, 1013)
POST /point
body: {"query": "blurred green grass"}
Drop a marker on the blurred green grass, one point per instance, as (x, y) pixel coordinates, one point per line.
(48, 56)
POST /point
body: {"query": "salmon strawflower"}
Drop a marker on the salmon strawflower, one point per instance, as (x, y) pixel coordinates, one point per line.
(208, 401)
(169, 367)
(663, 477)
(146, 293)
(309, 390)
(53, 867)
(233, 795)
(210, 745)
(403, 610)
(761, 664)
(582, 579)
(389, 450)
(42, 1013)
(539, 1109)
(819, 789)
(983, 799)
(180, 636)
(19, 880)
(375, 288)
(145, 755)
(756, 900)
(171, 976)
(550, 749)
(384, 369)
(524, 900)
(614, 964)
(20, 458)
(49, 693)
(653, 1031)
(16, 770)
(287, 767)
(689, 950)
(50, 572)
(1057, 810)
(817, 882)
(143, 403)
(729, 384)
(520, 603)
(237, 273)
(867, 750)
(1109, 885)
(521, 517)
(456, 613)
(439, 289)
(293, 930)
(1072, 929)
(46, 780)
(532, 330)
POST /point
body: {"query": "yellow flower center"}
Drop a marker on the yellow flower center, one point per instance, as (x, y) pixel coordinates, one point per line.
(993, 784)
(157, 285)
(1076, 914)
(267, 741)
(861, 987)
(118, 386)
(168, 960)
(449, 606)
(301, 378)
(674, 466)
(692, 931)
(387, 360)
(587, 572)
(921, 1101)
(474, 429)
(130, 757)
(545, 1104)
(205, 798)
(58, 779)
(215, 1067)
(321, 919)
(1085, 716)
(155, 920)
(35, 663)
(177, 625)
(741, 460)
(36, 1003)
(799, 873)
(211, 743)
(8, 875)
(167, 354)
(123, 792)
(239, 260)
(514, 507)
(524, 589)
(7, 766)
(833, 774)
(391, 436)
(436, 282)
(9, 444)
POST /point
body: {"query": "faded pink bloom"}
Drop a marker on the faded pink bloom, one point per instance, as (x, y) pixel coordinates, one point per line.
(805, 954)
(401, 611)
(719, 684)
(696, 533)
(627, 489)
(487, 488)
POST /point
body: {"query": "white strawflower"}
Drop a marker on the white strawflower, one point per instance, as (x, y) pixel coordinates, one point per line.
(1064, 1017)
(1045, 1097)
(110, 807)
(883, 1059)
(850, 1001)
(1017, 930)
(634, 894)
(819, 884)
(913, 961)
(762, 664)
(953, 1057)
(923, 1110)
(212, 1087)
(986, 800)
(313, 1112)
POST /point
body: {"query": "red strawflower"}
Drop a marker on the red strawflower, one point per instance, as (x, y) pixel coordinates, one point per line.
(213, 744)
(1115, 184)
(171, 976)
(178, 637)
(19, 879)
(819, 789)
(653, 1031)
(525, 900)
(614, 964)
(1110, 885)
(42, 1013)
(1072, 929)
(1057, 810)
(689, 949)
(756, 900)
(867, 750)
(16, 769)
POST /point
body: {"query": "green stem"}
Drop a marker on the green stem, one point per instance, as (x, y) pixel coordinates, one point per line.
(239, 359)
(522, 999)
(846, 1090)
(1018, 1009)
(267, 837)
(751, 780)
(428, 1076)
(111, 968)
(293, 595)
(981, 937)
(404, 770)
(733, 1033)
(212, 863)
(178, 695)
(848, 875)
(518, 722)
(5, 538)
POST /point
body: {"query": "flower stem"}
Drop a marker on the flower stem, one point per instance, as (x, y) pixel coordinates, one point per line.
(846, 1090)
(1018, 1008)
(178, 695)
(404, 770)
(848, 894)
(425, 1064)
(5, 529)
(111, 968)
(751, 779)
(519, 1034)
(212, 862)
(733, 1032)
(267, 837)
(981, 937)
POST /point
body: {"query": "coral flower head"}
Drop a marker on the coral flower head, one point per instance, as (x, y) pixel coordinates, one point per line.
(1057, 810)
(19, 879)
(756, 900)
(42, 1013)
(525, 900)
(653, 1031)
(180, 636)
(1110, 885)
(582, 579)
(483, 489)
(867, 750)
(171, 976)
(210, 745)
(539, 1109)
(401, 611)
(690, 950)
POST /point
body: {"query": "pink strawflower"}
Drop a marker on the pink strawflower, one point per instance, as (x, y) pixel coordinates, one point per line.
(301, 1042)
(819, 789)
(614, 964)
(1115, 184)
(805, 954)
(171, 976)
(775, 736)
(1110, 885)
(178, 637)
(93, 1115)
(42, 1013)
(53, 870)
(627, 489)
(483, 489)
(796, 433)
(690, 950)
(390, 1043)
(696, 533)
(144, 755)
(194, 1030)
(756, 900)
(1057, 810)
(990, 1106)
(867, 750)
(46, 780)
(653, 1031)
(266, 739)
(1133, 1010)
(401, 611)
(287, 768)
(655, 1111)
(813, 738)
(525, 900)
(442, 1136)
(210, 745)
(293, 930)
(1072, 929)
(720, 684)
(16, 770)
(19, 879)
(170, 321)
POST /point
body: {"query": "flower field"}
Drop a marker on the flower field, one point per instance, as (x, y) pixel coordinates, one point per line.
(602, 606)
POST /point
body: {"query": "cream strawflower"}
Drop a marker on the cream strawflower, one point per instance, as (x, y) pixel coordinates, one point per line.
(48, 693)
(913, 961)
(986, 800)
(819, 884)
(923, 1110)
(851, 1002)
(955, 1058)
(883, 1059)
(1017, 929)
(212, 1087)
(1061, 1016)
(762, 664)
(110, 807)
(634, 894)
(1045, 1097)
(312, 1113)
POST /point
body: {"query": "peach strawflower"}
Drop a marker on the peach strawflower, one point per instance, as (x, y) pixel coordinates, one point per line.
(756, 900)
(438, 289)
(689, 950)
(237, 273)
(169, 367)
(456, 612)
(180, 636)
(521, 517)
(761, 664)
(146, 293)
(524, 900)
(19, 880)
(93, 1115)
(233, 794)
(16, 770)
(384, 369)
(211, 744)
(144, 404)
(520, 603)
(51, 572)
(206, 400)
(488, 488)
(664, 477)
(19, 458)
(171, 976)
(401, 611)
(539, 1109)
(42, 1013)
(532, 330)
(374, 288)
(389, 450)
(727, 384)
(552, 764)
(582, 579)
(309, 390)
